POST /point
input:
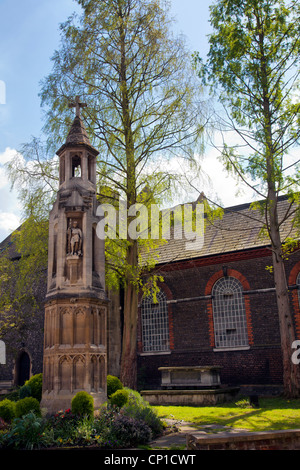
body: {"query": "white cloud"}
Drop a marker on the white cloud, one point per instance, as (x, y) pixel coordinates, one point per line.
(8, 155)
(3, 178)
(8, 222)
(212, 179)
(222, 187)
(10, 210)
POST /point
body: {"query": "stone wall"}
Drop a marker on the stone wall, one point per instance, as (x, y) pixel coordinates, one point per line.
(28, 338)
(272, 440)
(189, 397)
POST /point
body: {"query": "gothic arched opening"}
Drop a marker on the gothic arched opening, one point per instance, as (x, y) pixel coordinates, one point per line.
(23, 364)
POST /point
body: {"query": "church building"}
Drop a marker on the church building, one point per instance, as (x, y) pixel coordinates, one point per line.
(217, 306)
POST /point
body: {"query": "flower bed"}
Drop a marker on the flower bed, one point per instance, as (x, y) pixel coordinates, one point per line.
(111, 427)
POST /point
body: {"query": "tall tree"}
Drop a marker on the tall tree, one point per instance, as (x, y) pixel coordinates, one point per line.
(143, 108)
(253, 68)
(23, 260)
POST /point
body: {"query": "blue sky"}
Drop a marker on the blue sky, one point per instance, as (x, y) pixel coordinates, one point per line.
(29, 35)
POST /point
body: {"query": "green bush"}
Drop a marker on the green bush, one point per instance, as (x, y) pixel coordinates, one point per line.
(82, 404)
(139, 409)
(113, 430)
(25, 391)
(113, 384)
(13, 396)
(36, 384)
(129, 432)
(63, 425)
(27, 433)
(119, 398)
(27, 405)
(7, 410)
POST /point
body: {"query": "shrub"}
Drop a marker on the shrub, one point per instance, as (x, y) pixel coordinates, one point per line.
(135, 398)
(63, 425)
(13, 396)
(26, 405)
(26, 433)
(82, 404)
(119, 398)
(243, 403)
(140, 409)
(129, 432)
(35, 383)
(3, 425)
(25, 391)
(104, 419)
(84, 432)
(113, 384)
(7, 410)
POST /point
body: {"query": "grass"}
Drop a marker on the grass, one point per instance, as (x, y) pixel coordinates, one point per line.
(272, 414)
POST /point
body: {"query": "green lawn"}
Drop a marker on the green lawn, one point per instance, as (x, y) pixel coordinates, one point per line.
(272, 414)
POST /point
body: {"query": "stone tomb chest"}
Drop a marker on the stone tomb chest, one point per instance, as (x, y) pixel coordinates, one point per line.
(190, 377)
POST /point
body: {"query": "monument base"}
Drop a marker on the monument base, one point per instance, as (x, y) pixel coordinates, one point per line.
(75, 352)
(54, 402)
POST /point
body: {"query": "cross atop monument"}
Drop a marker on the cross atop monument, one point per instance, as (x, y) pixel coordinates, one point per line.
(77, 104)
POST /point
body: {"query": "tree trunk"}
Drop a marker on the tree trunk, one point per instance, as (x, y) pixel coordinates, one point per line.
(291, 376)
(291, 380)
(129, 341)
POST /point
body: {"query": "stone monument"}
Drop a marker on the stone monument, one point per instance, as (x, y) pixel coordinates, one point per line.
(75, 350)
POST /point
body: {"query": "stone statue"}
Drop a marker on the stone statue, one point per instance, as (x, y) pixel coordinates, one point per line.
(74, 239)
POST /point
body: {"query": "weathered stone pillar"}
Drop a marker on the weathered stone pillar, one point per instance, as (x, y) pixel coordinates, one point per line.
(75, 354)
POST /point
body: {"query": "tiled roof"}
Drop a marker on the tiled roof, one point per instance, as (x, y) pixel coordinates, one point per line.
(238, 229)
(8, 246)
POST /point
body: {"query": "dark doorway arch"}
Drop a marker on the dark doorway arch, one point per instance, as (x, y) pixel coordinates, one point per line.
(22, 368)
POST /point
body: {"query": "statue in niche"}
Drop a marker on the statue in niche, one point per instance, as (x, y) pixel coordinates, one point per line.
(74, 239)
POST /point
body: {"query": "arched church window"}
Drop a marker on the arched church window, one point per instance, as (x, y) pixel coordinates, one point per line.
(229, 314)
(155, 323)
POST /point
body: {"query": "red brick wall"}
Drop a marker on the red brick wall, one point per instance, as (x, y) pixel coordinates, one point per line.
(191, 323)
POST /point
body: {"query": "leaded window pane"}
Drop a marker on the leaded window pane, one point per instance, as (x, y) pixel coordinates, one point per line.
(155, 324)
(229, 314)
